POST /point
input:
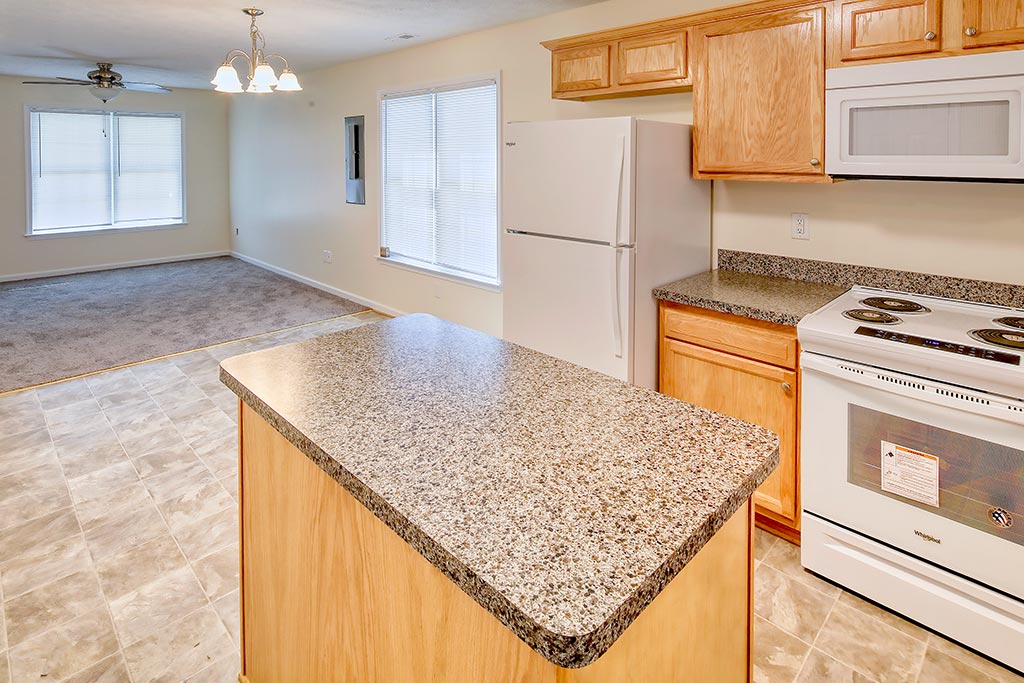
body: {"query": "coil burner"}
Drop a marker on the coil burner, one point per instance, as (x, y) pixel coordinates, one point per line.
(866, 315)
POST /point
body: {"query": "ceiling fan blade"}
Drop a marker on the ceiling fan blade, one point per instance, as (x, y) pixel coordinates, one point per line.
(53, 83)
(79, 81)
(146, 87)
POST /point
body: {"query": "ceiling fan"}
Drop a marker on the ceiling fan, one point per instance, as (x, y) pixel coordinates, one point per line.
(104, 83)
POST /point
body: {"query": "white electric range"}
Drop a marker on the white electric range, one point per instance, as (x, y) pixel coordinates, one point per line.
(912, 460)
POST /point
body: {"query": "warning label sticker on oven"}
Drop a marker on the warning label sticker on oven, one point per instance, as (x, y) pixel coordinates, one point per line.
(909, 473)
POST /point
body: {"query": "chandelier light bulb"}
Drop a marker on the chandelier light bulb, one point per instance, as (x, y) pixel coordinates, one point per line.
(259, 89)
(288, 82)
(264, 76)
(227, 80)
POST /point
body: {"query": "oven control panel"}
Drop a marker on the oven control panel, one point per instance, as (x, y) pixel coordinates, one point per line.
(948, 347)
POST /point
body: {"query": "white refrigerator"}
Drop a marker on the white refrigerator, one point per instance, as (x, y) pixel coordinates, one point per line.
(595, 214)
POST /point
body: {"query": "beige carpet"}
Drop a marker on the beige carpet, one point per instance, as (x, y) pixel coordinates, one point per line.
(53, 328)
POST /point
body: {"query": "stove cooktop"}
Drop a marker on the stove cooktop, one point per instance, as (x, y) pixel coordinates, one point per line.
(969, 344)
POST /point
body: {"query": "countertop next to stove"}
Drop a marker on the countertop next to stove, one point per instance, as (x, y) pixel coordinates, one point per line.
(762, 297)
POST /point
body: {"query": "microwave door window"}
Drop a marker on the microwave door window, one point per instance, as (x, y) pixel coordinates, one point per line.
(942, 130)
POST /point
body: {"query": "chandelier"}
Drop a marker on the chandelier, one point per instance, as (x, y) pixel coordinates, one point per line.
(262, 78)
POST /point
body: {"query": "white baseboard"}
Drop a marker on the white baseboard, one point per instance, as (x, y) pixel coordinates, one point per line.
(375, 305)
(111, 266)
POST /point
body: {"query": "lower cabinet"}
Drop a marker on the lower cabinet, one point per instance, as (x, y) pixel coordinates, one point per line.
(701, 363)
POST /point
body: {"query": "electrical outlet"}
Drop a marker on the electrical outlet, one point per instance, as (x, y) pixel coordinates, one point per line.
(800, 226)
(328, 256)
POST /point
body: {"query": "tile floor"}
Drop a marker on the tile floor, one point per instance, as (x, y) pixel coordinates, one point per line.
(119, 522)
(118, 545)
(807, 630)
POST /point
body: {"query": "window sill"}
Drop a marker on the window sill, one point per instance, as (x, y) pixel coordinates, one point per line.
(444, 274)
(103, 230)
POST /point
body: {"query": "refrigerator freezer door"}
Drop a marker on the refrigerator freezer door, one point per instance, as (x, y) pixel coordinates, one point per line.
(570, 179)
(570, 300)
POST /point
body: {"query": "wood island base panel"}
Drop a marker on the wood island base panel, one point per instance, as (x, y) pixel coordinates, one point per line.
(330, 593)
(420, 501)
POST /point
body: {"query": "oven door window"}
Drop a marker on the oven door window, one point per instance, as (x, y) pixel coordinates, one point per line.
(963, 478)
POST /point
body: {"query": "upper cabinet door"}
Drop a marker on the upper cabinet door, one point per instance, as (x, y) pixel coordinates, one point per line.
(890, 28)
(993, 22)
(583, 68)
(760, 94)
(650, 59)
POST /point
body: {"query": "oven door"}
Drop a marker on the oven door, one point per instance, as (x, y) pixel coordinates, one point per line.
(929, 468)
(956, 129)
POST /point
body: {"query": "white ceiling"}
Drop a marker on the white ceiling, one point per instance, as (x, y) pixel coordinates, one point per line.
(181, 42)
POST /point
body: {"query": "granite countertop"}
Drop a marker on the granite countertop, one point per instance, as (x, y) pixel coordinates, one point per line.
(762, 297)
(561, 500)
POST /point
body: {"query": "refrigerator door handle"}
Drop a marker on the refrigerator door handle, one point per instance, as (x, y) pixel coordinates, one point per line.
(617, 208)
(616, 309)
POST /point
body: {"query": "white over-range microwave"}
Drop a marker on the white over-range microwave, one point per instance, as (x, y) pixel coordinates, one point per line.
(953, 118)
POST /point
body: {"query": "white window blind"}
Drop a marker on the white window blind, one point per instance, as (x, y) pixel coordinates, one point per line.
(96, 170)
(440, 179)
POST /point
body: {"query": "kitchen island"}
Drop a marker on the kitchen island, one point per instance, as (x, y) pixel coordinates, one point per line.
(422, 502)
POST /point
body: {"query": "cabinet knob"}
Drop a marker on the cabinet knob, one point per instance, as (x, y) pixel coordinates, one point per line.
(787, 387)
(971, 31)
(815, 162)
(930, 35)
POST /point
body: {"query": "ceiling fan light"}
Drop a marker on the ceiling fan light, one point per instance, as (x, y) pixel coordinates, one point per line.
(226, 79)
(105, 94)
(288, 82)
(264, 76)
(260, 89)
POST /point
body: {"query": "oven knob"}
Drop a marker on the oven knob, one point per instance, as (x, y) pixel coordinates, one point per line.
(930, 35)
(971, 31)
(1000, 517)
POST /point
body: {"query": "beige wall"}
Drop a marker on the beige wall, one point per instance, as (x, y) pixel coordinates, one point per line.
(206, 157)
(287, 164)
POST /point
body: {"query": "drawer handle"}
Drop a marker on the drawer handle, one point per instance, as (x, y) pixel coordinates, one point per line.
(971, 31)
(787, 387)
(815, 162)
(930, 35)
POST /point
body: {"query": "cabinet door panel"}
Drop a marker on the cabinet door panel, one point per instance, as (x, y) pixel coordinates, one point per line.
(652, 58)
(747, 390)
(994, 22)
(889, 28)
(760, 94)
(583, 69)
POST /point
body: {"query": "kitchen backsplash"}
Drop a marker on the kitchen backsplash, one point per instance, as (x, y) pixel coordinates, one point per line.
(847, 275)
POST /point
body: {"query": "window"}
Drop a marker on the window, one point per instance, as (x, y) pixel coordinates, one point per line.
(101, 170)
(440, 179)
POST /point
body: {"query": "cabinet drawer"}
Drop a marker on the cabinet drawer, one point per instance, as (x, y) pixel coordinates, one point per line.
(757, 339)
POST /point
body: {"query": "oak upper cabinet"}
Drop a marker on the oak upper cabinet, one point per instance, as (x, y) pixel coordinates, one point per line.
(988, 23)
(585, 68)
(759, 96)
(745, 369)
(873, 29)
(633, 65)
